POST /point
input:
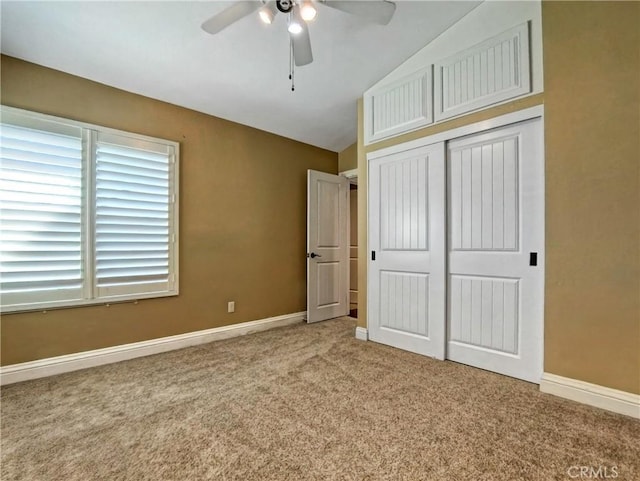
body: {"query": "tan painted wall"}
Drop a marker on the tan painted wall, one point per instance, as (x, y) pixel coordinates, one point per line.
(348, 158)
(592, 143)
(592, 150)
(242, 219)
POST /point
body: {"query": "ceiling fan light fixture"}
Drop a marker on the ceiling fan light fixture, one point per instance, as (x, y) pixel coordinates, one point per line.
(308, 11)
(295, 21)
(268, 12)
(294, 27)
(265, 15)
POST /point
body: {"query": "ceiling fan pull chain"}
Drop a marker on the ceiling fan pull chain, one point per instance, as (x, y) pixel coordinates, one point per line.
(291, 66)
(290, 57)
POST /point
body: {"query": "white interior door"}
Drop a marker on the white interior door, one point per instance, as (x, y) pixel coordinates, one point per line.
(407, 301)
(327, 246)
(496, 250)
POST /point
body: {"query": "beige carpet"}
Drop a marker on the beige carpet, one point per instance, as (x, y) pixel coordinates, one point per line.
(306, 402)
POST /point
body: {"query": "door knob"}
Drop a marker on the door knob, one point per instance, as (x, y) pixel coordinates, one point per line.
(313, 255)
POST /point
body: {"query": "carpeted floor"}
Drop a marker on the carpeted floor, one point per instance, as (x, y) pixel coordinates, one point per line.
(306, 402)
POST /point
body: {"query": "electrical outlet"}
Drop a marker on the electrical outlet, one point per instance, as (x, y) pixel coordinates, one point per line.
(231, 306)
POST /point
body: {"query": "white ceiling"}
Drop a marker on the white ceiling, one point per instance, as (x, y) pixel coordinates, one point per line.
(158, 49)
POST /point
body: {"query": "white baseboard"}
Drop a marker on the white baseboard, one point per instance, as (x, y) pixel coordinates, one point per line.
(98, 357)
(592, 394)
(362, 334)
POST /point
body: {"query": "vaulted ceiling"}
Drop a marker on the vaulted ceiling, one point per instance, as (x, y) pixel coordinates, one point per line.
(158, 49)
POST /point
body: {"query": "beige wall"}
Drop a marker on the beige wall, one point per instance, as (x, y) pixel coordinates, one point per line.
(592, 150)
(348, 158)
(592, 143)
(242, 219)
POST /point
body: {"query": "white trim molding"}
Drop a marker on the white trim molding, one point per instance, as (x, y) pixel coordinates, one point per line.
(592, 394)
(349, 174)
(362, 334)
(73, 362)
(492, 123)
(352, 175)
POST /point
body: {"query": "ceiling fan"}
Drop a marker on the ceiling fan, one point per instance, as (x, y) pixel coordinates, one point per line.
(299, 12)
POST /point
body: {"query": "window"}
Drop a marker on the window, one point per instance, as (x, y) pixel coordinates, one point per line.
(87, 214)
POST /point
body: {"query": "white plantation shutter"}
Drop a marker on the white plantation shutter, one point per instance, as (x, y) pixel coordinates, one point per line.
(133, 217)
(87, 214)
(40, 214)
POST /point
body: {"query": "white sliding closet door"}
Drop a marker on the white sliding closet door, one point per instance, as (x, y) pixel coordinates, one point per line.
(496, 258)
(407, 298)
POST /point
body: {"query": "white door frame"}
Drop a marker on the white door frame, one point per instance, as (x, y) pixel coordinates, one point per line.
(352, 177)
(500, 121)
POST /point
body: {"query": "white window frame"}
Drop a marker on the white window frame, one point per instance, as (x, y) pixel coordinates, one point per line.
(39, 121)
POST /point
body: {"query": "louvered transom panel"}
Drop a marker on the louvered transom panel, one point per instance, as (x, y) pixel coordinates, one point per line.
(404, 301)
(491, 72)
(484, 312)
(41, 213)
(404, 210)
(484, 209)
(399, 107)
(480, 74)
(133, 200)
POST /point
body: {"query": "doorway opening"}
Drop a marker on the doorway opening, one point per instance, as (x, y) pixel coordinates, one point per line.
(353, 248)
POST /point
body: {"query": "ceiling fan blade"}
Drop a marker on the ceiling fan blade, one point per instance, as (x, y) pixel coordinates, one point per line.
(302, 54)
(230, 15)
(376, 11)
